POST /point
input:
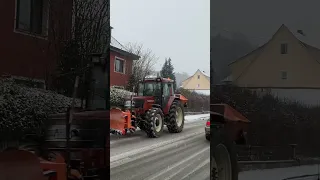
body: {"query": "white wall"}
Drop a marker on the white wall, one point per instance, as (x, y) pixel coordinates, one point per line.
(305, 96)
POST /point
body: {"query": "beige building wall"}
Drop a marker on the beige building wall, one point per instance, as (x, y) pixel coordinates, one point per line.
(264, 67)
(262, 70)
(198, 81)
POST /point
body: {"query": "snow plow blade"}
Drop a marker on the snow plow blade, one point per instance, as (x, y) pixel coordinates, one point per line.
(20, 164)
(120, 121)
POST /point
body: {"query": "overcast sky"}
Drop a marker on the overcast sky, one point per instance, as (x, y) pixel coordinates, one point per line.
(259, 19)
(179, 29)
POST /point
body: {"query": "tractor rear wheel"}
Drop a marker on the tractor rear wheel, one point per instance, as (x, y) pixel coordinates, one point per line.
(175, 121)
(154, 118)
(223, 158)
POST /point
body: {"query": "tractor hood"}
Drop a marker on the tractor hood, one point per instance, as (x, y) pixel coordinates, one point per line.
(140, 101)
(149, 99)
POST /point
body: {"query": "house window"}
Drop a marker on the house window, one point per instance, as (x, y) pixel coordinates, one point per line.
(283, 74)
(119, 65)
(198, 76)
(31, 16)
(284, 48)
(198, 85)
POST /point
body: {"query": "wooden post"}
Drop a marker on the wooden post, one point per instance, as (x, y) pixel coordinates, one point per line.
(293, 146)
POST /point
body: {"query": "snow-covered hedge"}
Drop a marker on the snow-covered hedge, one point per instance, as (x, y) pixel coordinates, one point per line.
(118, 96)
(24, 110)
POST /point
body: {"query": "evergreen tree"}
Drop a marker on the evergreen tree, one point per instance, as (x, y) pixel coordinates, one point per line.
(167, 71)
(164, 70)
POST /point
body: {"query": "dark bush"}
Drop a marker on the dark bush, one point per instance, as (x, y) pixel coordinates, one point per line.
(275, 122)
(196, 102)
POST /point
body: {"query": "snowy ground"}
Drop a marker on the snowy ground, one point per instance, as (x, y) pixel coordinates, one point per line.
(198, 117)
(176, 156)
(281, 173)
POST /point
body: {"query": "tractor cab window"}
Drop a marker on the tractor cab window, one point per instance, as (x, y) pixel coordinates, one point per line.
(166, 90)
(149, 89)
(171, 92)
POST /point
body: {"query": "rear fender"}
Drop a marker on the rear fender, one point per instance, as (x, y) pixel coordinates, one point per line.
(182, 99)
(170, 101)
(156, 106)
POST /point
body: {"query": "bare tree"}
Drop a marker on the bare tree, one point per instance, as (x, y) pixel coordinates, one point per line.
(71, 31)
(76, 35)
(142, 67)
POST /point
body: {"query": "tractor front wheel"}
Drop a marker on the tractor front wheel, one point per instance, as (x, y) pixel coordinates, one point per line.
(154, 117)
(175, 118)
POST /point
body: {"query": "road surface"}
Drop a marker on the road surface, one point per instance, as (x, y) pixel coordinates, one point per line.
(281, 173)
(178, 156)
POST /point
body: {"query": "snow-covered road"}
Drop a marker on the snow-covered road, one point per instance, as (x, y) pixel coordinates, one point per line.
(180, 156)
(281, 173)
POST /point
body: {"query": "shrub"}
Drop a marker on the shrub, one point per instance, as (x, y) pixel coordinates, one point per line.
(118, 96)
(196, 102)
(274, 121)
(24, 110)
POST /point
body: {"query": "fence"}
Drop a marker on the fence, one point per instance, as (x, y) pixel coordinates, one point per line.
(266, 153)
(267, 157)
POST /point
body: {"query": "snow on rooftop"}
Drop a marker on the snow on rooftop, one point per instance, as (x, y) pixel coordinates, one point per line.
(115, 43)
(205, 73)
(228, 79)
(204, 92)
(151, 76)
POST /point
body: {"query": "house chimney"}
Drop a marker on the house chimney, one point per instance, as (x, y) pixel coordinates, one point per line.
(301, 32)
(111, 30)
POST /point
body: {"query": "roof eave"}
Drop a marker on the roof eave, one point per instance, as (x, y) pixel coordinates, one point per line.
(125, 53)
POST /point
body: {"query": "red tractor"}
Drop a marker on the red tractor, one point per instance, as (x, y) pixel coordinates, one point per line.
(155, 105)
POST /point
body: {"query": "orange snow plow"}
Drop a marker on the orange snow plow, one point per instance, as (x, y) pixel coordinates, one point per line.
(236, 124)
(120, 121)
(22, 164)
(228, 113)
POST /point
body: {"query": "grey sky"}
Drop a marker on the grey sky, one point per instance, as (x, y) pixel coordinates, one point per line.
(179, 29)
(258, 19)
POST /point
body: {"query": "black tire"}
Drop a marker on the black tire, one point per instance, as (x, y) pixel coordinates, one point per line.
(208, 137)
(172, 124)
(153, 127)
(223, 158)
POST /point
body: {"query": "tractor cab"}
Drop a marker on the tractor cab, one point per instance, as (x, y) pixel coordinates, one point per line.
(154, 106)
(157, 89)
